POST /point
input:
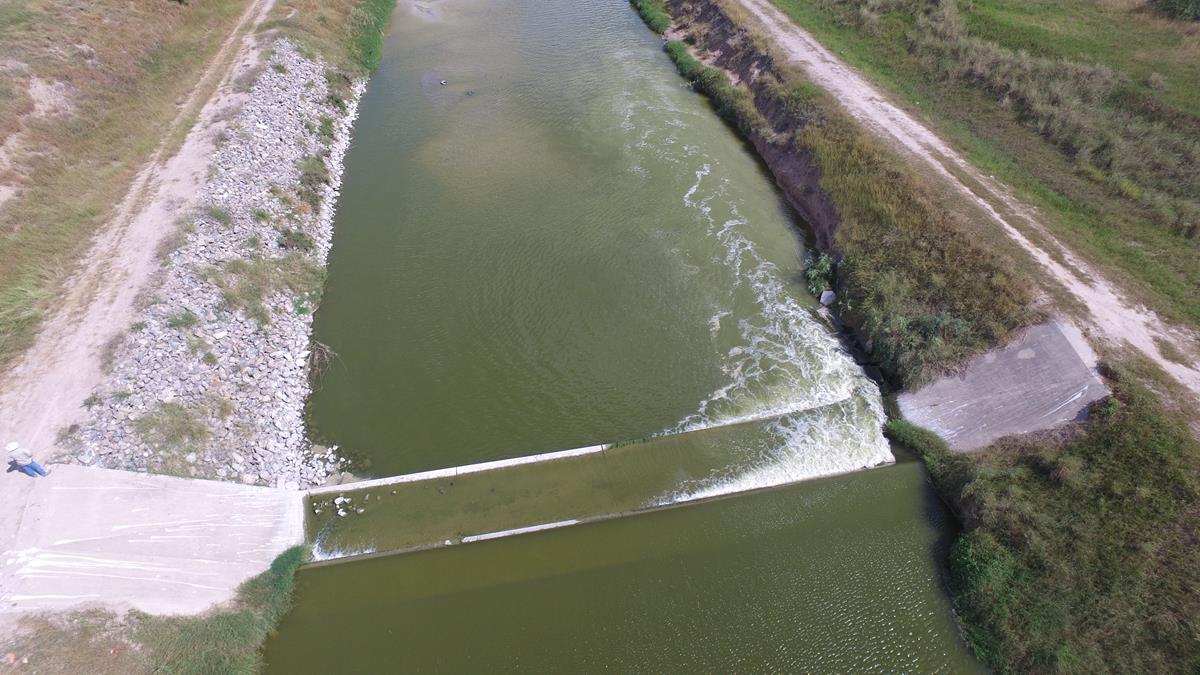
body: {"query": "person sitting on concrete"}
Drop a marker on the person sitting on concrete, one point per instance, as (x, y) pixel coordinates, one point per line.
(24, 461)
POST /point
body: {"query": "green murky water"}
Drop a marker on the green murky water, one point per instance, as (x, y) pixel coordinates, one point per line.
(562, 245)
(833, 575)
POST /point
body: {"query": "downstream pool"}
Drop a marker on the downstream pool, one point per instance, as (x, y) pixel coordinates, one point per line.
(834, 575)
(545, 240)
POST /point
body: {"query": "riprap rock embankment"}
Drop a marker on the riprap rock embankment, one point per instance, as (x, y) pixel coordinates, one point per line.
(211, 380)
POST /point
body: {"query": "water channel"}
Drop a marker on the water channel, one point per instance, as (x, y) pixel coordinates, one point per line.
(544, 241)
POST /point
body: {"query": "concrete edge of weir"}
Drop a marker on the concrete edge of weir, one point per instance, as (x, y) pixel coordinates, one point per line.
(559, 524)
(452, 471)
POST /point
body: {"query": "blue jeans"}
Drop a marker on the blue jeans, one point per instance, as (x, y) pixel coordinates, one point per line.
(32, 469)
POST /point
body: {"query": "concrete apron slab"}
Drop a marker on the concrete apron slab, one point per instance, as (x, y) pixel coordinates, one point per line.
(1042, 379)
(160, 544)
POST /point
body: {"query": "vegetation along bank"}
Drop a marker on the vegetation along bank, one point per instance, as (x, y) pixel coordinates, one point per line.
(1077, 552)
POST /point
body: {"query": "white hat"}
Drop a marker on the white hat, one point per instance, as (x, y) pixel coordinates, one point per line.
(12, 446)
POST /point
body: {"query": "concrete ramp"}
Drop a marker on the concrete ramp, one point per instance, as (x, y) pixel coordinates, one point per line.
(156, 543)
(1044, 378)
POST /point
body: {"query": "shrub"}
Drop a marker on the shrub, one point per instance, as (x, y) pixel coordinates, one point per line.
(819, 274)
(654, 13)
(1188, 10)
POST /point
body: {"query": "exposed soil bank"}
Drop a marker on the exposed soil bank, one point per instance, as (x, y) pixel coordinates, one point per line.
(922, 293)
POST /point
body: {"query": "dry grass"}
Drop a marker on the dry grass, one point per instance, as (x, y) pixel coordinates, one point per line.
(128, 66)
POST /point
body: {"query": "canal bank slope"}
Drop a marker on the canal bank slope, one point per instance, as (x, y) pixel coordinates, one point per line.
(1045, 515)
(186, 353)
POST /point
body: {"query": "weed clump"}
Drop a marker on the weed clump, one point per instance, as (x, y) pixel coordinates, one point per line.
(184, 319)
(220, 214)
(1188, 10)
(314, 175)
(295, 239)
(246, 285)
(654, 13)
(172, 426)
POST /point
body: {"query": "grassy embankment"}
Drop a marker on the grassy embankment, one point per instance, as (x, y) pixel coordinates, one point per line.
(348, 34)
(1090, 110)
(1078, 552)
(909, 273)
(118, 72)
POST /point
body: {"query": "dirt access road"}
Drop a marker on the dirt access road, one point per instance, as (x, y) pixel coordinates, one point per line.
(44, 392)
(1111, 316)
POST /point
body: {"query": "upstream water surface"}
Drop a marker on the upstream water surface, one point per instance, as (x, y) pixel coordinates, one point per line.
(563, 245)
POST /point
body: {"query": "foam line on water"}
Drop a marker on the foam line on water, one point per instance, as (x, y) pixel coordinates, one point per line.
(519, 530)
(452, 471)
(785, 359)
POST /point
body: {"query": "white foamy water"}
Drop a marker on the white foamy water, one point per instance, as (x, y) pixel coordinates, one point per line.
(785, 365)
(321, 551)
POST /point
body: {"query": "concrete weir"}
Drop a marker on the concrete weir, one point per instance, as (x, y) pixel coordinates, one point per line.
(1044, 378)
(527, 494)
(160, 544)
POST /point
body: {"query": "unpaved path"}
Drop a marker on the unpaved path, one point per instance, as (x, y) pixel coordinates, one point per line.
(45, 391)
(1112, 316)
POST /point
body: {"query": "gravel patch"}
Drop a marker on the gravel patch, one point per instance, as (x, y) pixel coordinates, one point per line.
(212, 379)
